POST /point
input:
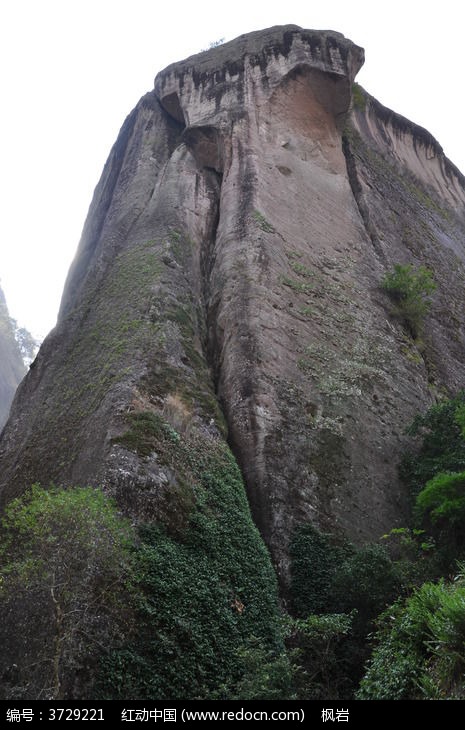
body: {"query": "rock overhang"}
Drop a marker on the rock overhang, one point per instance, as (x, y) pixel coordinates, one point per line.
(210, 86)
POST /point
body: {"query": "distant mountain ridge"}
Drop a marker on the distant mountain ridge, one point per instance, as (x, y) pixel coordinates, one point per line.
(12, 368)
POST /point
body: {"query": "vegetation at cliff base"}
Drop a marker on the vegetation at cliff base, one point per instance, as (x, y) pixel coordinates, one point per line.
(403, 617)
(65, 567)
(143, 610)
(336, 586)
(189, 610)
(207, 607)
(133, 611)
(419, 646)
(435, 475)
(418, 649)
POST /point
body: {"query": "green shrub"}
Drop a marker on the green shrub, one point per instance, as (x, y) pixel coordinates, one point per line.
(367, 582)
(413, 554)
(400, 654)
(93, 607)
(314, 561)
(435, 475)
(442, 446)
(420, 647)
(264, 675)
(320, 665)
(409, 290)
(328, 580)
(459, 418)
(65, 563)
(443, 500)
(440, 508)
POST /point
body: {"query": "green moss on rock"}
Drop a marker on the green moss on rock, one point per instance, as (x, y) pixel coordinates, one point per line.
(208, 595)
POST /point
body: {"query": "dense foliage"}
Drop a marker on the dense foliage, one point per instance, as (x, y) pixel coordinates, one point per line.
(140, 611)
(320, 660)
(434, 472)
(331, 580)
(419, 652)
(419, 643)
(409, 289)
(442, 445)
(208, 607)
(189, 609)
(208, 602)
(65, 563)
(315, 558)
(442, 501)
(328, 577)
(365, 583)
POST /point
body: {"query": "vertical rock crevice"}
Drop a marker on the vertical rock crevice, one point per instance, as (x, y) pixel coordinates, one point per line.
(206, 146)
(357, 191)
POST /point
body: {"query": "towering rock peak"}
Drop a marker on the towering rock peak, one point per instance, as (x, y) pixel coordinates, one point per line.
(228, 283)
(11, 365)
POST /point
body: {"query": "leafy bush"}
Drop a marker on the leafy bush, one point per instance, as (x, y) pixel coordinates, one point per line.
(399, 657)
(440, 507)
(413, 554)
(92, 607)
(326, 578)
(408, 289)
(314, 561)
(320, 665)
(419, 652)
(65, 558)
(330, 580)
(366, 581)
(442, 446)
(435, 475)
(264, 675)
(443, 500)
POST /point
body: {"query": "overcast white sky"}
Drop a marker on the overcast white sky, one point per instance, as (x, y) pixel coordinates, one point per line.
(71, 70)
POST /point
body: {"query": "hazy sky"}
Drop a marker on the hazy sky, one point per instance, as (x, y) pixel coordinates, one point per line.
(71, 70)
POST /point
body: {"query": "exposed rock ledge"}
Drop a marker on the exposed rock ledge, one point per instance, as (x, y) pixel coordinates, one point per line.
(413, 147)
(210, 86)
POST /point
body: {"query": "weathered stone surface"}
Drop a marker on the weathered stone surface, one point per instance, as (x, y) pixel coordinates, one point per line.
(232, 254)
(11, 365)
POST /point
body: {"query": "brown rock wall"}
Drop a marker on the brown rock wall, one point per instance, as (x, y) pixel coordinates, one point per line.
(233, 254)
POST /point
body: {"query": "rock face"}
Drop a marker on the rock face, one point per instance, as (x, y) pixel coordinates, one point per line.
(11, 365)
(228, 279)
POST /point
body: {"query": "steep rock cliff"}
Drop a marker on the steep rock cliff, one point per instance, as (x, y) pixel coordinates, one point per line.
(228, 280)
(11, 365)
